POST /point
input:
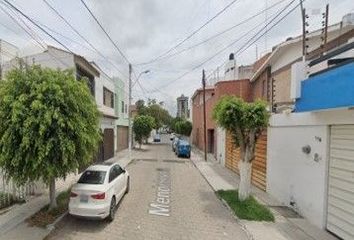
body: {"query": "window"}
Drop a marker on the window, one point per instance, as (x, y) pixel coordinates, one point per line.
(113, 173)
(108, 98)
(123, 106)
(119, 170)
(92, 177)
(126, 108)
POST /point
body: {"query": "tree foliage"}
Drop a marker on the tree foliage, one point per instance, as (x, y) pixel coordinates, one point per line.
(48, 124)
(183, 127)
(161, 115)
(142, 127)
(245, 121)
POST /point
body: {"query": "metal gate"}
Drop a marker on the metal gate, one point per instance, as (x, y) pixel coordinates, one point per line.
(340, 207)
(122, 137)
(108, 143)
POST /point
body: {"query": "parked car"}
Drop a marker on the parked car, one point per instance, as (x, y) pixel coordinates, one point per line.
(183, 148)
(175, 141)
(98, 191)
(172, 136)
(157, 138)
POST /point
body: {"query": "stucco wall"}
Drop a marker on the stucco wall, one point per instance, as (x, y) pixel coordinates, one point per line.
(220, 145)
(100, 83)
(293, 176)
(282, 86)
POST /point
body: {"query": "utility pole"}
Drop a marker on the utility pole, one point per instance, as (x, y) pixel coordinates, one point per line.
(130, 137)
(303, 18)
(204, 117)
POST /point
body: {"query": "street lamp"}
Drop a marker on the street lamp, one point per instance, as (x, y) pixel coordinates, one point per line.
(130, 136)
(143, 72)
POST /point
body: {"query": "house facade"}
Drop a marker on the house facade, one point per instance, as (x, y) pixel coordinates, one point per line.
(102, 87)
(122, 114)
(310, 151)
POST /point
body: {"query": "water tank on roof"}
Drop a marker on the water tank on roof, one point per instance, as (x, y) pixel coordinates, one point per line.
(231, 56)
(348, 19)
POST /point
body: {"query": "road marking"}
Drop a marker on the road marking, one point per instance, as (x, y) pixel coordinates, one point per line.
(161, 205)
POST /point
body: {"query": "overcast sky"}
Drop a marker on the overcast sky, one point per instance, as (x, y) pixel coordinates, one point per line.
(145, 29)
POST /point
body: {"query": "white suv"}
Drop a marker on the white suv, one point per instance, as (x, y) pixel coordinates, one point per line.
(98, 191)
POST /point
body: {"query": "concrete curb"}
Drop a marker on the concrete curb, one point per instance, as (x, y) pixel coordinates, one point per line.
(238, 220)
(51, 226)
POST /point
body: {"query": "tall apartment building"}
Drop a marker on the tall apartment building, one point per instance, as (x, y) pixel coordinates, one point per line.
(182, 107)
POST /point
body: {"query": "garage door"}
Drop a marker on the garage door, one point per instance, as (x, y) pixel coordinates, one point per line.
(340, 217)
(108, 143)
(122, 137)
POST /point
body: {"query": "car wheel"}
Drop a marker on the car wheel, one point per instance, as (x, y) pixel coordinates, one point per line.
(112, 209)
(128, 186)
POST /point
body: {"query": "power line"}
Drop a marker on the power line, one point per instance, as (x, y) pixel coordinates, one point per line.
(192, 34)
(220, 33)
(38, 26)
(22, 27)
(108, 36)
(247, 43)
(82, 37)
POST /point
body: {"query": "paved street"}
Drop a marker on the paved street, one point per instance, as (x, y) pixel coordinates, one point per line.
(194, 210)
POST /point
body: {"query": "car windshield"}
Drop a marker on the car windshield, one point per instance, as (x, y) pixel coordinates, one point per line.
(92, 177)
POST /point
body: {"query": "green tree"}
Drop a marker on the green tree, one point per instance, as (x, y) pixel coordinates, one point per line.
(142, 127)
(245, 121)
(183, 127)
(48, 125)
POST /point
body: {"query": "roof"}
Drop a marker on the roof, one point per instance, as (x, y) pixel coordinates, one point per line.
(207, 88)
(278, 48)
(78, 57)
(231, 81)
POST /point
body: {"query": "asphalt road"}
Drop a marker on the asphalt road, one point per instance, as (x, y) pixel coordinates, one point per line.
(168, 199)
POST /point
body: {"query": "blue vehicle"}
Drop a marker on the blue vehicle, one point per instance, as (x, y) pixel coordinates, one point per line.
(175, 141)
(183, 148)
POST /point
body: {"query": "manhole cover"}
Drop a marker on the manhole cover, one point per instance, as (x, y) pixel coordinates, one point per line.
(286, 211)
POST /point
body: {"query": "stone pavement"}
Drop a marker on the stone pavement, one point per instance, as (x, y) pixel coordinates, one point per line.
(194, 210)
(12, 225)
(283, 228)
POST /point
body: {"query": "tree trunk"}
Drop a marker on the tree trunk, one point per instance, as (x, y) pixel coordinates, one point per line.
(244, 189)
(53, 200)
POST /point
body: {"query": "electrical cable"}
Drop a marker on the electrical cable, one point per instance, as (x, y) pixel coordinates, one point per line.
(218, 34)
(238, 51)
(192, 34)
(82, 37)
(106, 33)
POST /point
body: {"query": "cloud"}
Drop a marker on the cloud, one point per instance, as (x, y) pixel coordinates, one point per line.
(144, 29)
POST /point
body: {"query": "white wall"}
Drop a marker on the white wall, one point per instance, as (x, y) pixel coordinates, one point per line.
(103, 81)
(293, 175)
(220, 147)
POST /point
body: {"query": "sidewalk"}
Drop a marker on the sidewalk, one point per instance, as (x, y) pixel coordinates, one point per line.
(12, 223)
(284, 228)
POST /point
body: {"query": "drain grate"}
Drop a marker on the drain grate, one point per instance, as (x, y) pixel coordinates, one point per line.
(286, 211)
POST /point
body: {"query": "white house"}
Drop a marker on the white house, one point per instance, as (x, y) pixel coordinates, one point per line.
(101, 86)
(311, 150)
